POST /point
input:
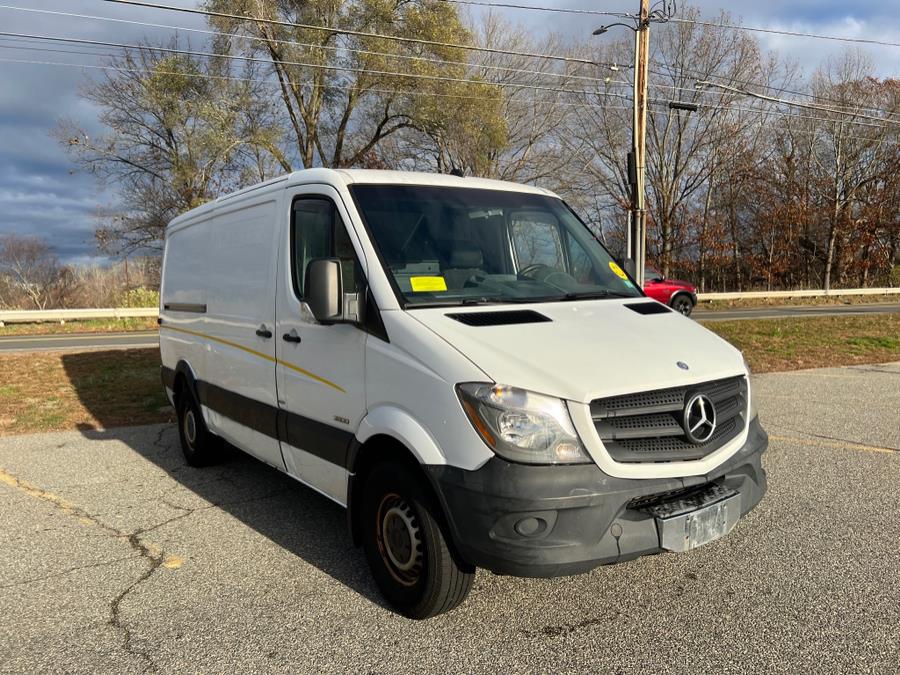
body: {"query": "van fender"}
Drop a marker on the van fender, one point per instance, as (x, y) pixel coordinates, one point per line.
(184, 369)
(392, 421)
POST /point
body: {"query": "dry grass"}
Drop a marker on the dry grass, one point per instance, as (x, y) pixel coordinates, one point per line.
(90, 326)
(814, 342)
(84, 390)
(100, 390)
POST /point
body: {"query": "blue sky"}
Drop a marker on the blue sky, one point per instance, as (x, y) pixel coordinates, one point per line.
(42, 193)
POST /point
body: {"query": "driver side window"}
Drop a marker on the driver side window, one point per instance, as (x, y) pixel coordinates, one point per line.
(317, 231)
(536, 240)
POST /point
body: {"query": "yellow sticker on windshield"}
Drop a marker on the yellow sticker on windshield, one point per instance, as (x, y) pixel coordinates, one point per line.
(428, 284)
(618, 271)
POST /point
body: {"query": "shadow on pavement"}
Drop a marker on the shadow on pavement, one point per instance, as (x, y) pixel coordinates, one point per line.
(292, 516)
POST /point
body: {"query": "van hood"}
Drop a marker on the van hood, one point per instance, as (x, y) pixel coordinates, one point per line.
(587, 349)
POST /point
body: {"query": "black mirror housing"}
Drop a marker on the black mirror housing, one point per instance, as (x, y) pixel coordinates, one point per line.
(323, 290)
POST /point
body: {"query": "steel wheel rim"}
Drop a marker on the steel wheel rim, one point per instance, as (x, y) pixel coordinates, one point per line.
(399, 539)
(190, 427)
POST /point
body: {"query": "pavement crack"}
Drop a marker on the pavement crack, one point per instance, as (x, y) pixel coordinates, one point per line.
(154, 556)
(34, 580)
(155, 559)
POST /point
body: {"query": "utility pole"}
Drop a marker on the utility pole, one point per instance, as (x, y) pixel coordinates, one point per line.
(637, 158)
(637, 235)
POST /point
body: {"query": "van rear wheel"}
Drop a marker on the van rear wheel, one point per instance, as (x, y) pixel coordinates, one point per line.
(416, 570)
(200, 447)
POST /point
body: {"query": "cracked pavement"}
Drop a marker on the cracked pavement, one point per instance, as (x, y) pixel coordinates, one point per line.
(117, 557)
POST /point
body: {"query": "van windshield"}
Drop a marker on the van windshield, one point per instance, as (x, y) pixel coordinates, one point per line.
(463, 246)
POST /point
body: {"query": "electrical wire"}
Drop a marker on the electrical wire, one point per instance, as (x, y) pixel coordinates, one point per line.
(308, 85)
(254, 38)
(790, 33)
(252, 59)
(534, 8)
(346, 31)
(700, 76)
(798, 104)
(699, 22)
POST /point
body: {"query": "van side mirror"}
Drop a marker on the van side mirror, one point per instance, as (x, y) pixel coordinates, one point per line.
(323, 289)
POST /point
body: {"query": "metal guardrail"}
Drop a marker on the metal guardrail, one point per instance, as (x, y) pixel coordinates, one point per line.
(62, 315)
(764, 295)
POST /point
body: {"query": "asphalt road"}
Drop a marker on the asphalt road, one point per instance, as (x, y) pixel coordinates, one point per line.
(117, 557)
(79, 341)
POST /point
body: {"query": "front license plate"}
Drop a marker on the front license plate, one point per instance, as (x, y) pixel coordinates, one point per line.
(684, 530)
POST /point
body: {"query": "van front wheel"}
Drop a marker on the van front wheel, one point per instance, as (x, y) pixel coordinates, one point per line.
(197, 443)
(415, 569)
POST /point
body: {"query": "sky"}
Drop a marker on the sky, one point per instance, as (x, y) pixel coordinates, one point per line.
(42, 192)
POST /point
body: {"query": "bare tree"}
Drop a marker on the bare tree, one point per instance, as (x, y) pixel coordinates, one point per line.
(32, 269)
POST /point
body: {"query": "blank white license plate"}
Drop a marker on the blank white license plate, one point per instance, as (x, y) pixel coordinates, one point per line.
(684, 527)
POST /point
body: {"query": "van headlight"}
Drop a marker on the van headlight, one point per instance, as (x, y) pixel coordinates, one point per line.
(522, 426)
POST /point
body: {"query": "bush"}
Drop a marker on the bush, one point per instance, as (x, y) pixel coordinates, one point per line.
(140, 297)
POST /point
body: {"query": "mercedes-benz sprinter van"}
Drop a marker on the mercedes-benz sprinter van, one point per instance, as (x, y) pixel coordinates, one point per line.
(464, 367)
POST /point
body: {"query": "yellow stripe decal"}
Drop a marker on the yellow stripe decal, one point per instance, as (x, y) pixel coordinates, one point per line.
(266, 357)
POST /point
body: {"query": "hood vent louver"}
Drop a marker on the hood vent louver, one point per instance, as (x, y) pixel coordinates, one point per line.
(646, 308)
(504, 318)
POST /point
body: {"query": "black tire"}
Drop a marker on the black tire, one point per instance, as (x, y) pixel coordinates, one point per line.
(415, 568)
(199, 445)
(682, 304)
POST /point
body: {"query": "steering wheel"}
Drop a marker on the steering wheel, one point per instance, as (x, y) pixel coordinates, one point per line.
(528, 271)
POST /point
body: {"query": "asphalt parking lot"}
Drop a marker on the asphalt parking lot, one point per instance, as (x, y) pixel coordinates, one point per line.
(116, 557)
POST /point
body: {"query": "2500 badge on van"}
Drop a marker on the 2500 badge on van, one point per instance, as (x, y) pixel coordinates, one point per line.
(460, 364)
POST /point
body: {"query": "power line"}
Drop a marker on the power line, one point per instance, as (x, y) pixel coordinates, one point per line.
(20, 36)
(308, 85)
(356, 33)
(534, 8)
(275, 85)
(778, 113)
(186, 52)
(798, 104)
(306, 44)
(790, 33)
(700, 75)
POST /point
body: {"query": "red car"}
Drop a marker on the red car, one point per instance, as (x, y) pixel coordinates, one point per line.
(679, 295)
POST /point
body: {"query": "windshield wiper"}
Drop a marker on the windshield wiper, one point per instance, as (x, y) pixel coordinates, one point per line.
(595, 295)
(460, 302)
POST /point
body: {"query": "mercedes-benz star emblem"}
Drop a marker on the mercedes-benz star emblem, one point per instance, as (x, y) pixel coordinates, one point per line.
(683, 365)
(699, 419)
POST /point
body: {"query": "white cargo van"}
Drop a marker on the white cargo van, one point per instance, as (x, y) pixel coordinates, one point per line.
(460, 364)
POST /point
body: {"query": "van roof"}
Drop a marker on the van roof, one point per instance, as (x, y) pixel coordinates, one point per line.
(365, 176)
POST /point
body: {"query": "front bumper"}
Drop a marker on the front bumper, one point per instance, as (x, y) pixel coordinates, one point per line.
(547, 521)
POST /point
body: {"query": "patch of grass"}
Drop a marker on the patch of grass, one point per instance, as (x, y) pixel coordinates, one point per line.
(56, 391)
(82, 390)
(868, 342)
(814, 342)
(751, 303)
(90, 326)
(8, 391)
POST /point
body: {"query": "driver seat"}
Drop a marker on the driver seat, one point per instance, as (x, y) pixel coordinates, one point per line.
(464, 261)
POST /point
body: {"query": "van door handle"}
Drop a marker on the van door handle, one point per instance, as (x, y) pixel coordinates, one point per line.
(264, 332)
(292, 337)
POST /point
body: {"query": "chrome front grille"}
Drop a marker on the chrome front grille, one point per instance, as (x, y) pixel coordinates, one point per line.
(647, 427)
